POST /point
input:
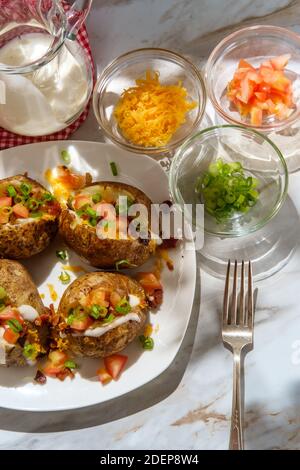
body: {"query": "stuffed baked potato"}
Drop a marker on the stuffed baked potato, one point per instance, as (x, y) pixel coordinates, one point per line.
(29, 217)
(23, 317)
(100, 314)
(99, 203)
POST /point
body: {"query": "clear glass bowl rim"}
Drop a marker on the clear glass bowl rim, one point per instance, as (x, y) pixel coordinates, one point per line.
(179, 200)
(98, 90)
(217, 51)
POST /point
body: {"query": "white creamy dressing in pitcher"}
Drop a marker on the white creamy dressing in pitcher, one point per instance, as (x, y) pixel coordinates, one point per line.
(43, 101)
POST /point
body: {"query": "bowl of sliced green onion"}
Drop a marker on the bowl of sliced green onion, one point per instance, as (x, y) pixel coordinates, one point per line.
(238, 174)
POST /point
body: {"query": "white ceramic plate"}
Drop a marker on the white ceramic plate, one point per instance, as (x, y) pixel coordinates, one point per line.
(17, 389)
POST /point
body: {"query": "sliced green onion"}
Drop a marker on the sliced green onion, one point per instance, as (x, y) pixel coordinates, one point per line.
(109, 319)
(64, 277)
(62, 254)
(36, 215)
(29, 350)
(91, 212)
(123, 306)
(93, 222)
(11, 191)
(124, 262)
(3, 293)
(98, 311)
(225, 190)
(25, 189)
(19, 199)
(2, 305)
(70, 318)
(33, 204)
(114, 168)
(15, 325)
(65, 156)
(70, 364)
(48, 197)
(96, 198)
(147, 342)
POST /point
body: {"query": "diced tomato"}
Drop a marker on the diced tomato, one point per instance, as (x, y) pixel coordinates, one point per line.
(280, 62)
(96, 297)
(11, 314)
(5, 201)
(114, 298)
(115, 364)
(246, 90)
(267, 64)
(256, 116)
(58, 357)
(10, 336)
(81, 324)
(243, 64)
(52, 370)
(149, 281)
(104, 376)
(261, 95)
(254, 77)
(81, 200)
(20, 211)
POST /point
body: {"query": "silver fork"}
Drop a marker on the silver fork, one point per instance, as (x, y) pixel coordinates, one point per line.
(237, 335)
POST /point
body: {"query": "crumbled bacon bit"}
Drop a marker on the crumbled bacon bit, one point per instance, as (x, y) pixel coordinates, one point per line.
(156, 298)
(65, 373)
(40, 377)
(169, 243)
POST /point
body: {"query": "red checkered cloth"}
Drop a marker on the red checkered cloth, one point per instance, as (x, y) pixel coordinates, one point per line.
(9, 139)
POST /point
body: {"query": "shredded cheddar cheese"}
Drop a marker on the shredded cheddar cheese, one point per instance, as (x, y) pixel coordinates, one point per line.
(149, 113)
(74, 269)
(53, 293)
(148, 330)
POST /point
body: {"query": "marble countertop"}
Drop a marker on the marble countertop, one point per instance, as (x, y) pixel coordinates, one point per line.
(189, 405)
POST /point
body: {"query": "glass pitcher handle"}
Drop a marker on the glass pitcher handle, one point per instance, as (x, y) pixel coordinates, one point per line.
(76, 15)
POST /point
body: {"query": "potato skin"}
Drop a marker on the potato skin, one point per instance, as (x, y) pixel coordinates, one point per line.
(105, 253)
(23, 240)
(116, 339)
(21, 290)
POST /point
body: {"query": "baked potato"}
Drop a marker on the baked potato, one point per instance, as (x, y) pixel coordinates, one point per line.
(29, 216)
(98, 204)
(23, 332)
(100, 314)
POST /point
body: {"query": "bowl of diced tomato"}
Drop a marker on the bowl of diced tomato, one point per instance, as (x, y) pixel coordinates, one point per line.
(253, 77)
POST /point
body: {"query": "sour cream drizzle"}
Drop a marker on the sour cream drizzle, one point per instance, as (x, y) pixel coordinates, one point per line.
(101, 330)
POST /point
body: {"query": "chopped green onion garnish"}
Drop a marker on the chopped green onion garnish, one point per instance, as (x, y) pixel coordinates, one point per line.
(11, 191)
(65, 156)
(109, 319)
(33, 204)
(147, 342)
(48, 197)
(29, 350)
(36, 215)
(3, 293)
(70, 318)
(19, 199)
(96, 198)
(2, 305)
(62, 254)
(124, 262)
(25, 189)
(93, 222)
(225, 190)
(65, 277)
(90, 212)
(114, 168)
(98, 311)
(123, 307)
(70, 364)
(15, 325)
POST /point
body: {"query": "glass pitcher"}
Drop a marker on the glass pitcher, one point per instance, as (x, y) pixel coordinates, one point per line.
(45, 75)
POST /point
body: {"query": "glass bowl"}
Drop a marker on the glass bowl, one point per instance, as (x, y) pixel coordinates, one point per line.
(254, 44)
(259, 157)
(122, 73)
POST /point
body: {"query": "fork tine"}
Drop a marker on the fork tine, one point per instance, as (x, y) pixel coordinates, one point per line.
(226, 295)
(234, 297)
(241, 314)
(250, 297)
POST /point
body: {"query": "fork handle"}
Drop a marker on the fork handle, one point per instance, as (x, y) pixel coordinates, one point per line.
(236, 432)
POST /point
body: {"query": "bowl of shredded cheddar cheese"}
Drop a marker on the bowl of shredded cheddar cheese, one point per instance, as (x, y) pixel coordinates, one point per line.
(149, 100)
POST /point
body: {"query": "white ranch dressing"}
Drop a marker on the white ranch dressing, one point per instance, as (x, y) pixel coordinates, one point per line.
(101, 330)
(28, 312)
